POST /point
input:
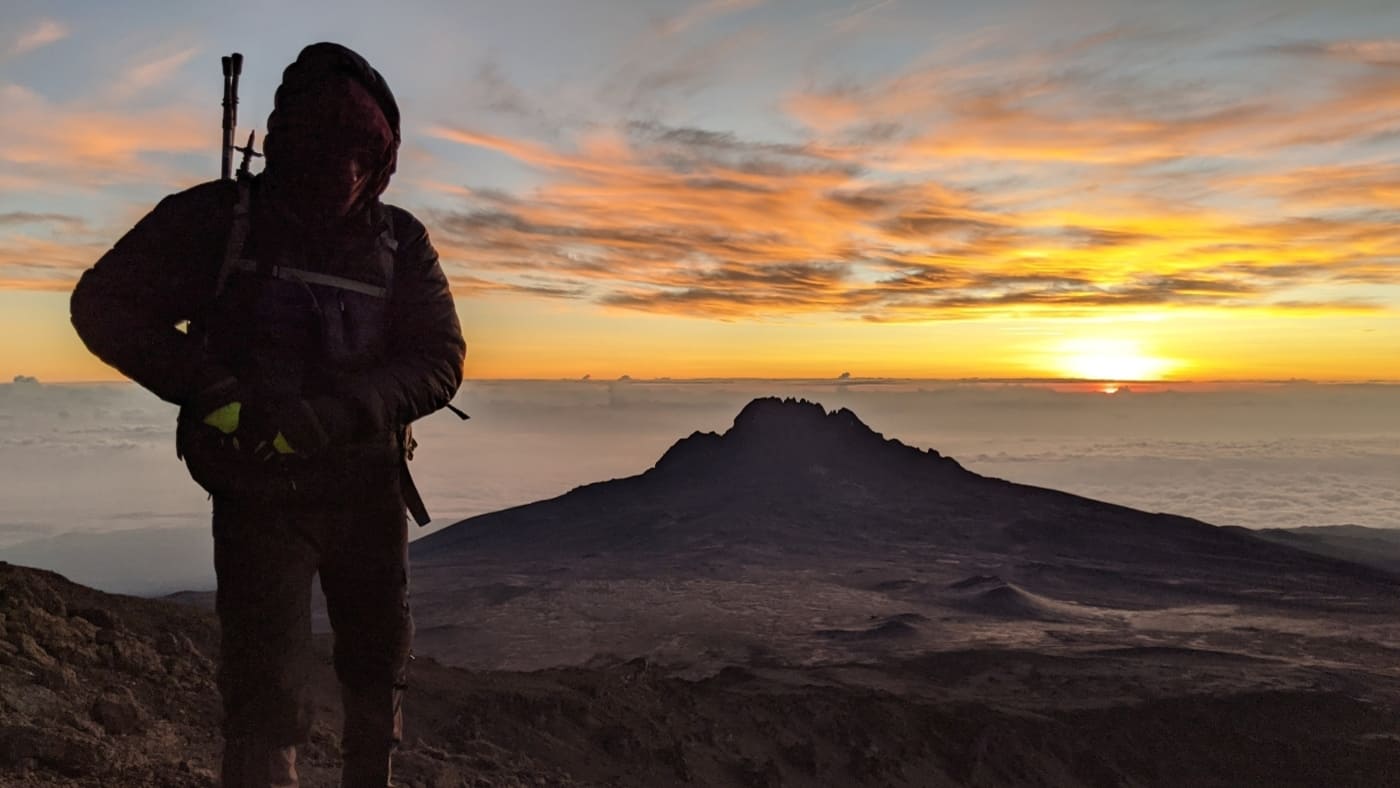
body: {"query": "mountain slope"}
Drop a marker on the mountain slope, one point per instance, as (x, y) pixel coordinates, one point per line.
(792, 484)
(1377, 547)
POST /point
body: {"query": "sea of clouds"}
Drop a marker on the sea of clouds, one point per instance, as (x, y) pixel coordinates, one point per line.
(90, 485)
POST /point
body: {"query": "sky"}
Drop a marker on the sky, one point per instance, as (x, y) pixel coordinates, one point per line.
(783, 188)
(91, 486)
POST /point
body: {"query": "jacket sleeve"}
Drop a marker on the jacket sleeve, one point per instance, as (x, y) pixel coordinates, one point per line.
(127, 306)
(423, 368)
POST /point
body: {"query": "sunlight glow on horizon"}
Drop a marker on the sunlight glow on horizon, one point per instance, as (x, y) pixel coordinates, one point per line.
(1112, 359)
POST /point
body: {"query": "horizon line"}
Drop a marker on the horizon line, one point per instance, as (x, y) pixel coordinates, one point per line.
(852, 380)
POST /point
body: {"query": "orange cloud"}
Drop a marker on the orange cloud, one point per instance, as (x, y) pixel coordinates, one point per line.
(98, 140)
(1045, 106)
(687, 221)
(1376, 52)
(40, 34)
(1363, 186)
(149, 73)
(969, 186)
(34, 263)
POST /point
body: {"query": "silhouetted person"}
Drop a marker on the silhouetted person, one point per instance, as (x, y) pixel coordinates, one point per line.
(320, 326)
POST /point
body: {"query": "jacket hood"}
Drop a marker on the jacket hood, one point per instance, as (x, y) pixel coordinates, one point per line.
(361, 105)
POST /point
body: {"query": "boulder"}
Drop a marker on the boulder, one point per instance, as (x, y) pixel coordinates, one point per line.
(117, 711)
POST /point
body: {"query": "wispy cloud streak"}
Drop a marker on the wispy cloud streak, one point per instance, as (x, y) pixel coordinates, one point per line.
(701, 12)
(40, 34)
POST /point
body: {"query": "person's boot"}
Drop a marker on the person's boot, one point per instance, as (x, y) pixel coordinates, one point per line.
(250, 762)
(373, 729)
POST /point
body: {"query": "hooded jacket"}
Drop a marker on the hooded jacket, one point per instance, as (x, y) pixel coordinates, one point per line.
(392, 362)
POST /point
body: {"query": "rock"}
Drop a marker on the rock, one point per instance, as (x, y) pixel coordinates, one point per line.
(22, 746)
(133, 656)
(83, 722)
(33, 591)
(173, 644)
(59, 678)
(60, 638)
(99, 616)
(28, 700)
(77, 654)
(82, 628)
(35, 621)
(197, 772)
(106, 636)
(30, 649)
(118, 712)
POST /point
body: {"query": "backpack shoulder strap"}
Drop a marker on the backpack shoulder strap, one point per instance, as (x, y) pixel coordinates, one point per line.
(238, 234)
(233, 248)
(388, 252)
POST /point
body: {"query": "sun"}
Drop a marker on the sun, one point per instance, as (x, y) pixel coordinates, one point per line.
(1110, 359)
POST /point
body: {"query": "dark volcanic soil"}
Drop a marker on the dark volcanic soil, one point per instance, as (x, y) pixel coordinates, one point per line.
(102, 690)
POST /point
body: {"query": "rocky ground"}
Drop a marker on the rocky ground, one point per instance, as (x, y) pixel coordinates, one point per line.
(104, 690)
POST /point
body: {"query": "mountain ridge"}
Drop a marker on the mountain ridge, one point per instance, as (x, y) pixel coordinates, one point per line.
(789, 470)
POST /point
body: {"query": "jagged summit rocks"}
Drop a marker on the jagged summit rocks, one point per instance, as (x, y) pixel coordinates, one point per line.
(794, 421)
(776, 439)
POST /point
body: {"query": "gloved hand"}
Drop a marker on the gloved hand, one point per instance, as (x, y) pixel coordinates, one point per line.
(250, 420)
(219, 406)
(282, 426)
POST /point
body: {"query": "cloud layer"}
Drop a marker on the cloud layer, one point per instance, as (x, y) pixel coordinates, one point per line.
(1053, 180)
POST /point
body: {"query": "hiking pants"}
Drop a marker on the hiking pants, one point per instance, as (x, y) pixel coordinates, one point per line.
(265, 555)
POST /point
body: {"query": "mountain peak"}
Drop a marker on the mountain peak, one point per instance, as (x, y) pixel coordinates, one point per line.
(789, 418)
(773, 435)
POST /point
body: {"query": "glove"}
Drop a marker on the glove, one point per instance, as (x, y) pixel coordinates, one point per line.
(283, 426)
(218, 406)
(206, 435)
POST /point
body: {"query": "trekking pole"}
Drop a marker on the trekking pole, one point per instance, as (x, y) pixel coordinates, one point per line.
(233, 66)
(247, 151)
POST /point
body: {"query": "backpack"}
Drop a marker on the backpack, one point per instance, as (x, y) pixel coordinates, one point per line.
(217, 472)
